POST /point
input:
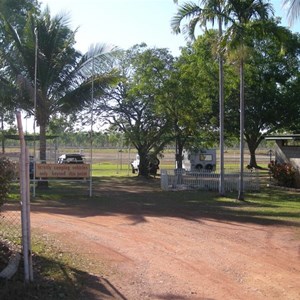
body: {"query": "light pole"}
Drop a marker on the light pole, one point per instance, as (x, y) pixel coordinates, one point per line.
(221, 117)
(34, 105)
(92, 120)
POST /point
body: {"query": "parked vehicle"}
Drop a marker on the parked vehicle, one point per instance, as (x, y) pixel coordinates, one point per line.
(153, 164)
(135, 164)
(202, 160)
(70, 159)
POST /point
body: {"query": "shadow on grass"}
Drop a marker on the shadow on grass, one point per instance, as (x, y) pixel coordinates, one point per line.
(138, 198)
(55, 280)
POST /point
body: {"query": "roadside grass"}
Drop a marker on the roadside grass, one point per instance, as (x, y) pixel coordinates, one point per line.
(61, 275)
(55, 275)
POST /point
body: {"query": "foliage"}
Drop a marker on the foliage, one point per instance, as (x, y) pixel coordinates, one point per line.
(271, 70)
(7, 174)
(65, 77)
(198, 66)
(284, 173)
(16, 13)
(133, 106)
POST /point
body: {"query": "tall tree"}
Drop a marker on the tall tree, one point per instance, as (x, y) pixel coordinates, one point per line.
(198, 77)
(45, 65)
(243, 16)
(208, 12)
(132, 107)
(16, 12)
(271, 74)
(187, 101)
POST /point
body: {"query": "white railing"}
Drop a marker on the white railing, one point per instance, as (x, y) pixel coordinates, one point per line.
(181, 180)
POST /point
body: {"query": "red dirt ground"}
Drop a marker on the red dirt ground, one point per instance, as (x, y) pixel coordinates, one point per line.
(137, 252)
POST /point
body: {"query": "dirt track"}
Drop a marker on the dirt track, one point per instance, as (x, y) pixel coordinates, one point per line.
(143, 252)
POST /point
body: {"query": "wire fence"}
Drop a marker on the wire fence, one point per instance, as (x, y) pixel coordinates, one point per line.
(10, 224)
(10, 213)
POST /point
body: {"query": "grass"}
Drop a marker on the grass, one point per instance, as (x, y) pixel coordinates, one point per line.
(55, 277)
(63, 276)
(273, 204)
(109, 169)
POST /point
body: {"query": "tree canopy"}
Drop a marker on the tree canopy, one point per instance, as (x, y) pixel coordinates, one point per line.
(51, 75)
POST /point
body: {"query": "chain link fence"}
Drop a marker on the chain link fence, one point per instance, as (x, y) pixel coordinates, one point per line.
(10, 224)
(10, 210)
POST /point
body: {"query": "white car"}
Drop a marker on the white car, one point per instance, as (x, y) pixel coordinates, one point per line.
(135, 164)
(70, 159)
(153, 164)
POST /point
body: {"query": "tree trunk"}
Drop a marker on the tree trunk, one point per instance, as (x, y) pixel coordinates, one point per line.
(252, 146)
(179, 156)
(43, 147)
(252, 163)
(144, 163)
(2, 136)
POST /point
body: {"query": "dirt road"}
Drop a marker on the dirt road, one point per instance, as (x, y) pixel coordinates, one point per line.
(137, 252)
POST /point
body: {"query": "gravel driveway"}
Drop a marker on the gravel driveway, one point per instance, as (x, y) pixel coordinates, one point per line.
(143, 250)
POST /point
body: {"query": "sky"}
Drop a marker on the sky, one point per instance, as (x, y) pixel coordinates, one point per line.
(125, 23)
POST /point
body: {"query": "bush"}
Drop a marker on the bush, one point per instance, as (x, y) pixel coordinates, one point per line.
(7, 174)
(284, 173)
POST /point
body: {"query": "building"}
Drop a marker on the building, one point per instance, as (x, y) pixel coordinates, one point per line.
(288, 151)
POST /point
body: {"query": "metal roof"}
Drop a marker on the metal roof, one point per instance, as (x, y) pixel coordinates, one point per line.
(29, 137)
(283, 137)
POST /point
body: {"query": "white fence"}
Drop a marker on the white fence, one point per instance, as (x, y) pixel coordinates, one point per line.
(181, 180)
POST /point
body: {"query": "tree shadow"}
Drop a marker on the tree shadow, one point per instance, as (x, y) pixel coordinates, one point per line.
(137, 198)
(55, 280)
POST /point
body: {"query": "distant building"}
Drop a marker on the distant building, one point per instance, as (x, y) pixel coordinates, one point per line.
(287, 151)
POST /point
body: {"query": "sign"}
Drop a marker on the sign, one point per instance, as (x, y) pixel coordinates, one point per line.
(62, 170)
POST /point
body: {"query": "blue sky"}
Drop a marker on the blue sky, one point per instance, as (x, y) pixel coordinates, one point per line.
(125, 23)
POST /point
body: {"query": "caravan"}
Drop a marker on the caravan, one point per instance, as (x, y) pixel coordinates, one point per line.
(202, 160)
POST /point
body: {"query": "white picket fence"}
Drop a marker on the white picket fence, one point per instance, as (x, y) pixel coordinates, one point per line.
(181, 180)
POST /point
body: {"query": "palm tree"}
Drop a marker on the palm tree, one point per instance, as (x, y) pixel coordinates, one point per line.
(241, 15)
(64, 76)
(293, 9)
(210, 10)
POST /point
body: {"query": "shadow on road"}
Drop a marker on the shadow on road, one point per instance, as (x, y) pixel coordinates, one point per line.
(138, 198)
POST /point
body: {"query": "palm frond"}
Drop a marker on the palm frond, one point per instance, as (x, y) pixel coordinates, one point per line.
(97, 57)
(293, 7)
(188, 10)
(80, 97)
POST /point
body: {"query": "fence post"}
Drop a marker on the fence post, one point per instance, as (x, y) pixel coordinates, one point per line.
(25, 200)
(164, 180)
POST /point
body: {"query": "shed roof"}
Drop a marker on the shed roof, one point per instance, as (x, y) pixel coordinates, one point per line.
(29, 137)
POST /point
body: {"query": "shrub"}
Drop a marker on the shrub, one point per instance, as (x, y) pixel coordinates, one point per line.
(284, 173)
(7, 174)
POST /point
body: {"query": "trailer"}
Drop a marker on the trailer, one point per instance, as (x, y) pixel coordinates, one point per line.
(200, 160)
